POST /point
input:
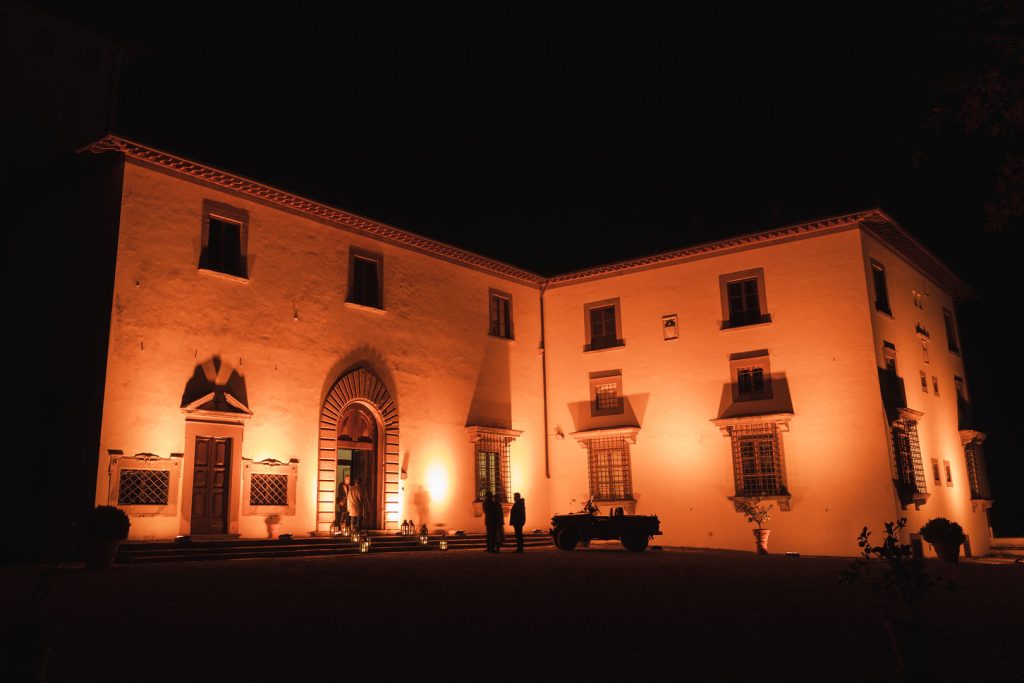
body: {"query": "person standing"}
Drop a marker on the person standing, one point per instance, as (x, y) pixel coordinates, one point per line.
(492, 520)
(341, 518)
(517, 518)
(355, 505)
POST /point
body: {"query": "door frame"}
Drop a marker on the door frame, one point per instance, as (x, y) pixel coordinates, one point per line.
(208, 428)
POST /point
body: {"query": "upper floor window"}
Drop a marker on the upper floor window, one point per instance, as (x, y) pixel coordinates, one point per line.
(951, 338)
(751, 376)
(225, 232)
(603, 325)
(881, 288)
(743, 298)
(365, 282)
(606, 393)
(500, 308)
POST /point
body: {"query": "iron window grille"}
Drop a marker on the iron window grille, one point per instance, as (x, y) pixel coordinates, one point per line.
(268, 489)
(492, 468)
(977, 477)
(143, 487)
(607, 396)
(757, 460)
(609, 469)
(907, 455)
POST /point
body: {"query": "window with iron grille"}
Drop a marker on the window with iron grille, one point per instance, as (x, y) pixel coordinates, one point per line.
(907, 455)
(750, 381)
(608, 461)
(977, 477)
(500, 316)
(492, 468)
(757, 460)
(268, 489)
(143, 487)
(607, 396)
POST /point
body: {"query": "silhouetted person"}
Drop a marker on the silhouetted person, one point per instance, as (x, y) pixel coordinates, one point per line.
(517, 518)
(341, 515)
(492, 521)
(355, 504)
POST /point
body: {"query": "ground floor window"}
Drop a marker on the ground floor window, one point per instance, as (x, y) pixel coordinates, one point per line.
(143, 487)
(609, 470)
(492, 468)
(911, 483)
(757, 460)
(977, 477)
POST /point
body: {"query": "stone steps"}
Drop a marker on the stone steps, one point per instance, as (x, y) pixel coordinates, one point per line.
(229, 549)
(1008, 547)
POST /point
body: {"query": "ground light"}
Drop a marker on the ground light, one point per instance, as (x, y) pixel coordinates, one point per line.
(424, 538)
(364, 545)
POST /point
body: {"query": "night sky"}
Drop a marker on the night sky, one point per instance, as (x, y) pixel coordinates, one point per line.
(557, 136)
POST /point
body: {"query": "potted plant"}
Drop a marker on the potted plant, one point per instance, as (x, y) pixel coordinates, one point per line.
(273, 526)
(758, 514)
(103, 529)
(945, 536)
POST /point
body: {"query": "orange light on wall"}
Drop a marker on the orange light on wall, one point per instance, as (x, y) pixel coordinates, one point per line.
(438, 483)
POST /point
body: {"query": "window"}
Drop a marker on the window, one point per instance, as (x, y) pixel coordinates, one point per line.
(268, 489)
(743, 298)
(935, 471)
(881, 289)
(924, 351)
(949, 472)
(500, 308)
(889, 356)
(609, 470)
(951, 338)
(365, 282)
(924, 382)
(977, 477)
(606, 393)
(603, 325)
(492, 468)
(751, 376)
(909, 472)
(918, 299)
(492, 464)
(143, 487)
(935, 385)
(225, 233)
(757, 460)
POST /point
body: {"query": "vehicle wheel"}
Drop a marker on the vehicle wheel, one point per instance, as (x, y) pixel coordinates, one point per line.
(566, 539)
(635, 542)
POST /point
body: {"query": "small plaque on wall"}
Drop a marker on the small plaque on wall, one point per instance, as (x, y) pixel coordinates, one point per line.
(670, 327)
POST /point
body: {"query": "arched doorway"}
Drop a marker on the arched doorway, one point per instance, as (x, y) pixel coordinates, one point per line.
(359, 431)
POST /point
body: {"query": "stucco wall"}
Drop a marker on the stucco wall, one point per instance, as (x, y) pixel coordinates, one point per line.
(289, 333)
(819, 343)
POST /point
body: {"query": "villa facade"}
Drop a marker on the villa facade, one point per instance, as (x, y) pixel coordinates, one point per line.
(263, 346)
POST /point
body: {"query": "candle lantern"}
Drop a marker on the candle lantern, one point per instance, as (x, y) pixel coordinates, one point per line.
(364, 545)
(443, 544)
(424, 537)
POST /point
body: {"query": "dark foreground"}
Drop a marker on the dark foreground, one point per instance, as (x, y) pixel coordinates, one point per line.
(671, 615)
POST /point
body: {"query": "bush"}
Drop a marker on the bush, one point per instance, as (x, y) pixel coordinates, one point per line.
(755, 512)
(106, 523)
(941, 530)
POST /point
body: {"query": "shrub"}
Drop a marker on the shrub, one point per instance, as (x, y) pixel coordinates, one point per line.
(755, 512)
(941, 530)
(106, 523)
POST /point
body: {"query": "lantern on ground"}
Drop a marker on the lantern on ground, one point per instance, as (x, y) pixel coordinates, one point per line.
(364, 544)
(443, 544)
(424, 537)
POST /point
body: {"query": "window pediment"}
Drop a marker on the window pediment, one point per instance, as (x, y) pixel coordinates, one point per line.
(217, 406)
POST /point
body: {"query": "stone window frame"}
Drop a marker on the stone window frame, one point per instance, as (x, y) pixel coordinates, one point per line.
(936, 472)
(762, 297)
(229, 214)
(628, 435)
(619, 341)
(598, 379)
(494, 295)
(729, 427)
(908, 466)
(947, 468)
(357, 253)
(268, 466)
(146, 461)
(480, 436)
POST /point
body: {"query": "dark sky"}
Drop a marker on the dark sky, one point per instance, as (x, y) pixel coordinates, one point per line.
(618, 128)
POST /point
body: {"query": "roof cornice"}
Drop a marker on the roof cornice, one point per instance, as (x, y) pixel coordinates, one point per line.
(874, 221)
(316, 210)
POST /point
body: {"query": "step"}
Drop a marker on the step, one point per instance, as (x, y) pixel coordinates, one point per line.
(1007, 547)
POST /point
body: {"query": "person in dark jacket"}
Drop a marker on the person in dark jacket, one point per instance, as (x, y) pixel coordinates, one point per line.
(493, 518)
(517, 518)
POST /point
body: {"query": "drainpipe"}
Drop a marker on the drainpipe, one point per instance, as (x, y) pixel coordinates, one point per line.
(544, 380)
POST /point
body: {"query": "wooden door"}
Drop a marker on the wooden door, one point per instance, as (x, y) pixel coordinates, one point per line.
(210, 485)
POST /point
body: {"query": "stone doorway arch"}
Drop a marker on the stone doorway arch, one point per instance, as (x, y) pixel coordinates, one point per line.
(359, 386)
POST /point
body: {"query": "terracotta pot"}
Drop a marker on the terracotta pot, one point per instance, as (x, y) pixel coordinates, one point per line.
(947, 552)
(100, 554)
(273, 530)
(762, 540)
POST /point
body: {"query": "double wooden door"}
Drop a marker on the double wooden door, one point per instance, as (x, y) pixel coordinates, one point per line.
(210, 485)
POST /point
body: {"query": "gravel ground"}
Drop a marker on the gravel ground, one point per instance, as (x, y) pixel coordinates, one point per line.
(676, 614)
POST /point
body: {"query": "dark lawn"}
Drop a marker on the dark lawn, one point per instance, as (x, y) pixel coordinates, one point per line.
(673, 614)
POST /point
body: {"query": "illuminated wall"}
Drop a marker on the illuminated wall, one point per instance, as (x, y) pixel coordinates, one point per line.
(199, 355)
